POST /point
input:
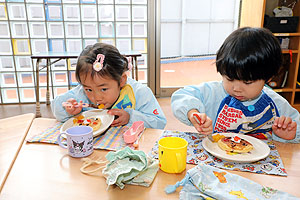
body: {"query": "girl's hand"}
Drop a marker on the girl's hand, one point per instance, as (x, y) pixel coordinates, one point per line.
(75, 108)
(122, 117)
(284, 127)
(205, 127)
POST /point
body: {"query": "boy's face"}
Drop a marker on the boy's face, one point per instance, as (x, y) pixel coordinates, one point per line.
(102, 90)
(242, 90)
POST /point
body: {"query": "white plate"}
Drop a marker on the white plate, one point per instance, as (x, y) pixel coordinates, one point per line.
(106, 120)
(260, 149)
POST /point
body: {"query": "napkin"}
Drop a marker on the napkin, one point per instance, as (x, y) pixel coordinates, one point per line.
(208, 182)
(129, 166)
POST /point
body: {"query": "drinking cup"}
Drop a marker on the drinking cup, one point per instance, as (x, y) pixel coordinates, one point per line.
(172, 154)
(79, 141)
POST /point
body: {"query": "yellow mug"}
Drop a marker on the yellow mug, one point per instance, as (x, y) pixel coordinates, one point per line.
(172, 154)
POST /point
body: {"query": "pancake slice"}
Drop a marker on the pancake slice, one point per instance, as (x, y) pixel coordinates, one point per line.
(235, 144)
(93, 122)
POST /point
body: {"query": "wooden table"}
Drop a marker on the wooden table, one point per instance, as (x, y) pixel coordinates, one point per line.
(67, 55)
(13, 131)
(45, 171)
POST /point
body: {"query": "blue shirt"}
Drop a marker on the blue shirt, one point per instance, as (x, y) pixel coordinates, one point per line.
(146, 109)
(207, 97)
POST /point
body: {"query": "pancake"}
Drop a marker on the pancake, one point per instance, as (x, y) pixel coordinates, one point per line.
(93, 122)
(235, 144)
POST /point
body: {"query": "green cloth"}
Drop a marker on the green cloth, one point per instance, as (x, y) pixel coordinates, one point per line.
(129, 166)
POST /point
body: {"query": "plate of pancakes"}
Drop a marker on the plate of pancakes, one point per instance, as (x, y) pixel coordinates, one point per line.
(234, 147)
(98, 119)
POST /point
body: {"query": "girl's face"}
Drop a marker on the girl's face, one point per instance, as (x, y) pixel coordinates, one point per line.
(243, 90)
(102, 90)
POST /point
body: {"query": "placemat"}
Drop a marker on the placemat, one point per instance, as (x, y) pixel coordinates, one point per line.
(111, 140)
(197, 154)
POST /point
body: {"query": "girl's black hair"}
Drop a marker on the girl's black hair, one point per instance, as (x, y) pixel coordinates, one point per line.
(249, 54)
(114, 64)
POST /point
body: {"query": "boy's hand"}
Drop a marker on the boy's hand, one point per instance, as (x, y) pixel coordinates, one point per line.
(75, 108)
(284, 127)
(122, 117)
(205, 126)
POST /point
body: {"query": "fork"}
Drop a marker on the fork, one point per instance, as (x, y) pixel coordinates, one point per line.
(85, 105)
(198, 120)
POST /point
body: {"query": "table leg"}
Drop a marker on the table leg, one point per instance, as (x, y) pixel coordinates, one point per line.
(37, 90)
(48, 92)
(136, 68)
(132, 68)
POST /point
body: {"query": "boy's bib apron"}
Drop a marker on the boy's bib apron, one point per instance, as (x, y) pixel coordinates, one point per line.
(255, 119)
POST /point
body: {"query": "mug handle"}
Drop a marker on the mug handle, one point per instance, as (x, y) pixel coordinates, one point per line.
(180, 160)
(59, 140)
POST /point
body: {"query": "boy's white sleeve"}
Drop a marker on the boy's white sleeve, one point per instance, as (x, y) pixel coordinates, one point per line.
(205, 98)
(147, 109)
(285, 109)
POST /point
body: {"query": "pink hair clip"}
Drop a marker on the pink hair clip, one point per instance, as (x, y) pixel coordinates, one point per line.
(98, 64)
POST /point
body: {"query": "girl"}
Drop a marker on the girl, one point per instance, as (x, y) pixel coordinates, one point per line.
(101, 72)
(248, 58)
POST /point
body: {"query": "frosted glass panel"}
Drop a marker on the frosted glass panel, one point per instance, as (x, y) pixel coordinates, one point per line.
(122, 1)
(35, 12)
(55, 30)
(88, 13)
(122, 13)
(123, 30)
(8, 80)
(25, 79)
(27, 94)
(5, 47)
(39, 46)
(59, 65)
(139, 29)
(74, 46)
(90, 30)
(19, 30)
(108, 41)
(140, 45)
(139, 1)
(53, 13)
(23, 63)
(56, 45)
(73, 30)
(124, 45)
(17, 11)
(105, 1)
(106, 29)
(37, 30)
(4, 31)
(30, 27)
(71, 13)
(89, 42)
(106, 13)
(9, 95)
(6, 63)
(139, 13)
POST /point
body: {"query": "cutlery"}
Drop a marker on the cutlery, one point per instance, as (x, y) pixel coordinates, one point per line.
(85, 105)
(198, 120)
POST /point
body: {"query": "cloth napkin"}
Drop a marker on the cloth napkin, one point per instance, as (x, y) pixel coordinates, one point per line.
(208, 182)
(129, 166)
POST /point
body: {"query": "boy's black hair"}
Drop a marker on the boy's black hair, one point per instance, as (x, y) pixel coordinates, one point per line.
(249, 54)
(114, 64)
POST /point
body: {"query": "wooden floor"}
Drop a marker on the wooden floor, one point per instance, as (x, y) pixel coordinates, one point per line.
(165, 103)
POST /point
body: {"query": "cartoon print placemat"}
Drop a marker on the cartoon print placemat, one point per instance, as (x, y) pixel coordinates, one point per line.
(111, 140)
(197, 154)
